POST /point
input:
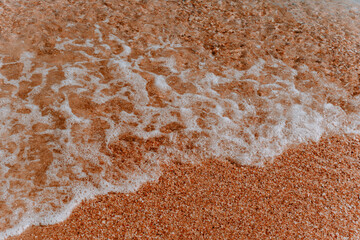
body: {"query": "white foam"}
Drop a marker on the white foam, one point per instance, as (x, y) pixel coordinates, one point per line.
(97, 30)
(233, 117)
(257, 68)
(160, 82)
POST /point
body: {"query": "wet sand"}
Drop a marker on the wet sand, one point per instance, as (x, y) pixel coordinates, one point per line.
(309, 192)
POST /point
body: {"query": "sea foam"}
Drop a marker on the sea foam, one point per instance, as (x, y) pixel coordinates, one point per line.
(82, 129)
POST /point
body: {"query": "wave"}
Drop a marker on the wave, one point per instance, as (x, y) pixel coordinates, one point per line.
(90, 115)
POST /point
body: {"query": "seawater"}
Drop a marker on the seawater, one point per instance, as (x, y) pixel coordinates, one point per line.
(99, 120)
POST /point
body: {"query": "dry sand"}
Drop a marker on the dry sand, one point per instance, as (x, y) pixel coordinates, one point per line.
(310, 192)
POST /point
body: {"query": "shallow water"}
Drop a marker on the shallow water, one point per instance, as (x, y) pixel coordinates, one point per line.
(94, 112)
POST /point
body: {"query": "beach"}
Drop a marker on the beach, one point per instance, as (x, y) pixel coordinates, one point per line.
(311, 192)
(179, 119)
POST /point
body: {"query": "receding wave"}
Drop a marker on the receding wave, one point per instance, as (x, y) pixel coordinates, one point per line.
(94, 116)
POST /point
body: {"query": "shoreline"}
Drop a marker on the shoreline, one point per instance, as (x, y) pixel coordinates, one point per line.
(308, 192)
(94, 89)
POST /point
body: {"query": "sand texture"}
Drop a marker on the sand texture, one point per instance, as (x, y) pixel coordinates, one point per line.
(311, 192)
(180, 119)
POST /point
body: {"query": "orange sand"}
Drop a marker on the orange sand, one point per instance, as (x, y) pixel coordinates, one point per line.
(311, 192)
